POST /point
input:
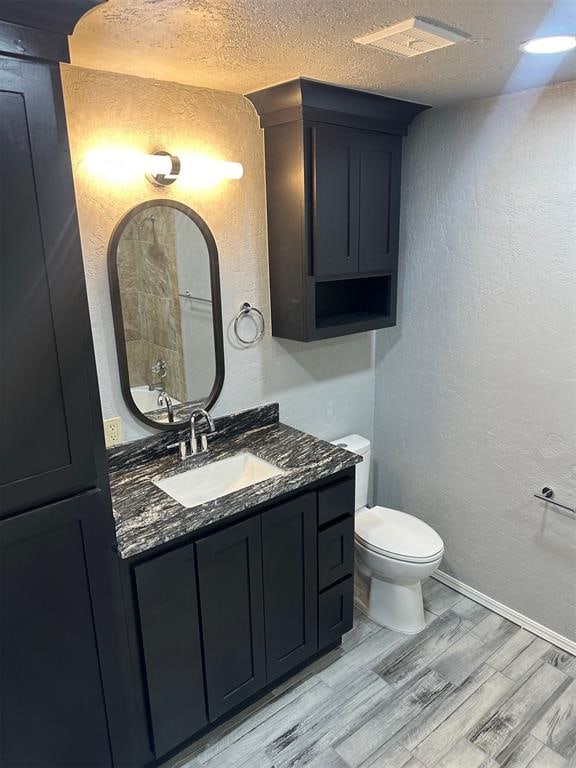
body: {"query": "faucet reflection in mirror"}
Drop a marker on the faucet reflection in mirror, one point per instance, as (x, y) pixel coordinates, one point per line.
(123, 165)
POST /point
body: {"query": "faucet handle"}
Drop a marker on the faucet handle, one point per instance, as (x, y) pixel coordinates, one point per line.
(181, 445)
(199, 444)
(204, 438)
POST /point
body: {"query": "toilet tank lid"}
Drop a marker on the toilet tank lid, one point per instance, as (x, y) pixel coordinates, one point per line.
(354, 443)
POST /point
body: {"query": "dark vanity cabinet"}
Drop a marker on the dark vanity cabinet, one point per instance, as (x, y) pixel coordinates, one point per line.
(51, 689)
(167, 601)
(333, 162)
(258, 590)
(223, 617)
(336, 505)
(61, 698)
(289, 566)
(231, 606)
(49, 420)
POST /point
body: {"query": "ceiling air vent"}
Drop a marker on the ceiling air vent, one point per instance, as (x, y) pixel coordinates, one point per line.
(411, 38)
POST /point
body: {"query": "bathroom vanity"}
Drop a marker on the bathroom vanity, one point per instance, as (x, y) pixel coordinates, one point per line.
(225, 598)
(235, 539)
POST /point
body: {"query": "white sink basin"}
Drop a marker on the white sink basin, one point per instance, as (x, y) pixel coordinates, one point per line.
(196, 486)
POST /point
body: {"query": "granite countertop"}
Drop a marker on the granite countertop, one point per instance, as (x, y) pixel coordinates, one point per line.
(146, 517)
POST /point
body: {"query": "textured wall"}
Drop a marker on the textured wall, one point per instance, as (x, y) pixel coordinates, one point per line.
(324, 387)
(476, 388)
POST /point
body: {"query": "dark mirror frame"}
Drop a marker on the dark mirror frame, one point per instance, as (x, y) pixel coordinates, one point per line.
(117, 309)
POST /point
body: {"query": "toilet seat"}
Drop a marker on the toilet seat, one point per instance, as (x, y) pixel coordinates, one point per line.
(397, 535)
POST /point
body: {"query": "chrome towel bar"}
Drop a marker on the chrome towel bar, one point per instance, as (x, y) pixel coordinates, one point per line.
(547, 494)
(188, 295)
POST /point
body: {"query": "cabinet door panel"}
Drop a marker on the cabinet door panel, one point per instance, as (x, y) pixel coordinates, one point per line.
(379, 201)
(231, 604)
(46, 434)
(335, 612)
(170, 634)
(290, 585)
(51, 694)
(335, 196)
(335, 552)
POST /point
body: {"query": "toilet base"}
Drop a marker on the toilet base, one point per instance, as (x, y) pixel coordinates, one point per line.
(392, 589)
(392, 605)
(396, 606)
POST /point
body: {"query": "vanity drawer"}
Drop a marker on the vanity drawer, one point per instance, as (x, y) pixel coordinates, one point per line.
(335, 552)
(336, 501)
(335, 612)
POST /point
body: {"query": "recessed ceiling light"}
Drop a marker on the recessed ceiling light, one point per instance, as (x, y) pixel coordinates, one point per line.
(555, 44)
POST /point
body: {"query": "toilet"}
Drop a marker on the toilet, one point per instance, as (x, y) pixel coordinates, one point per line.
(394, 551)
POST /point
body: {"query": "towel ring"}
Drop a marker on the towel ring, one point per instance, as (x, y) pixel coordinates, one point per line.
(246, 309)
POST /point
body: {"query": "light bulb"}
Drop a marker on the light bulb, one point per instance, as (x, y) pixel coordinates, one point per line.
(158, 165)
(554, 44)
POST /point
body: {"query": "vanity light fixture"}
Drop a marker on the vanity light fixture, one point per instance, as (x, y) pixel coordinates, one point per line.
(553, 44)
(121, 165)
(162, 168)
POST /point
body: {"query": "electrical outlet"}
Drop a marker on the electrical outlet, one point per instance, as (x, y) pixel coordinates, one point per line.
(113, 431)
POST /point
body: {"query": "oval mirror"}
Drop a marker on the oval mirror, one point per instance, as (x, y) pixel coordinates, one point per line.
(165, 290)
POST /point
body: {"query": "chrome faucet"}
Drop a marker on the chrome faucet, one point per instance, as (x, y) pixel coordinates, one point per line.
(165, 401)
(199, 444)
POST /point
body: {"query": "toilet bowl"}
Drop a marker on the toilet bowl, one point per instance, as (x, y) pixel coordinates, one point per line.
(394, 551)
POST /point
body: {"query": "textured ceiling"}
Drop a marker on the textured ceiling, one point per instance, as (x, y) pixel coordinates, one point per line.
(243, 45)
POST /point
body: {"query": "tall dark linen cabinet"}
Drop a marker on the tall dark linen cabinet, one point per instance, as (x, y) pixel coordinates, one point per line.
(60, 644)
(333, 159)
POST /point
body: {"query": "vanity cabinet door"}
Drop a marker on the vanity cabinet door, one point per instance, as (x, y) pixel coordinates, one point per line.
(49, 409)
(290, 584)
(356, 200)
(335, 201)
(170, 635)
(51, 686)
(232, 612)
(378, 201)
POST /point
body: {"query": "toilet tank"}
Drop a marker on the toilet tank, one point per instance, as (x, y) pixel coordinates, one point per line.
(360, 445)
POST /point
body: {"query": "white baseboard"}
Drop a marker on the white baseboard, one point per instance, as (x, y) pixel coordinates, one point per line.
(509, 613)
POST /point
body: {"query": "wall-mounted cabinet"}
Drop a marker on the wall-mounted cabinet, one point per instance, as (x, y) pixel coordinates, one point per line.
(333, 171)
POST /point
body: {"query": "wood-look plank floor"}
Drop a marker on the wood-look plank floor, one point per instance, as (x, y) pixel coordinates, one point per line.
(472, 690)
